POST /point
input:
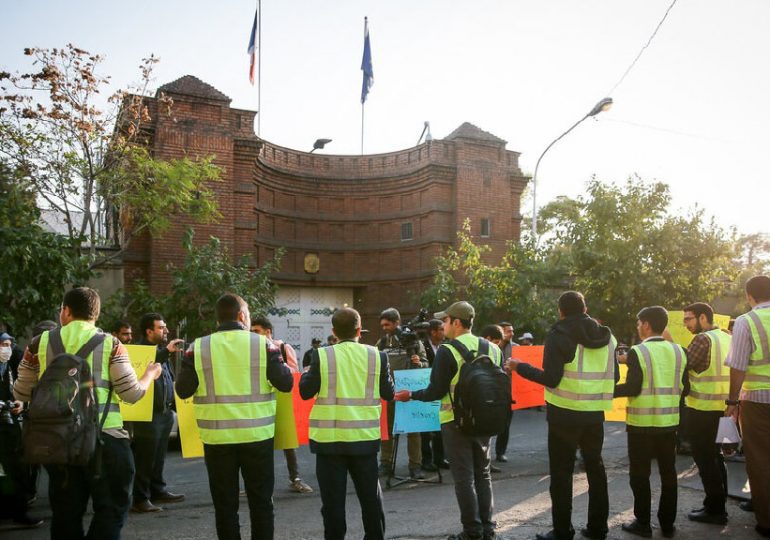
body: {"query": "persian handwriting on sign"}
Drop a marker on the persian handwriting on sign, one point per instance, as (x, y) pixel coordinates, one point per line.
(414, 416)
(140, 357)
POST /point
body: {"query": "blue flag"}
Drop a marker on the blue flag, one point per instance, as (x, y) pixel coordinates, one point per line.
(366, 64)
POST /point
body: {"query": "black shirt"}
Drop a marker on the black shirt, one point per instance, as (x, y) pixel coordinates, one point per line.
(310, 385)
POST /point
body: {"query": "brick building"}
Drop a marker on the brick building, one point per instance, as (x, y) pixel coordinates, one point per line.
(357, 230)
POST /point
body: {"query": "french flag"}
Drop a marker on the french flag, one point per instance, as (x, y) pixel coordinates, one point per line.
(253, 48)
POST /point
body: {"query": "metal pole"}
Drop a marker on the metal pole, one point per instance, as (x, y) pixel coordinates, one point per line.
(362, 129)
(259, 68)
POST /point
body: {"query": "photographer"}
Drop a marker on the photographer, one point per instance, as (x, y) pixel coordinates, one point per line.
(13, 502)
(405, 351)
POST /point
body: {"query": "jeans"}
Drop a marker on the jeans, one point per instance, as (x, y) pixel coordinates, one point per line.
(469, 463)
(643, 447)
(332, 472)
(69, 489)
(254, 461)
(563, 442)
(703, 426)
(755, 427)
(150, 445)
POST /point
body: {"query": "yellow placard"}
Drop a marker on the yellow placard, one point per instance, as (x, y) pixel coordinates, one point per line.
(618, 412)
(285, 426)
(140, 357)
(189, 435)
(681, 335)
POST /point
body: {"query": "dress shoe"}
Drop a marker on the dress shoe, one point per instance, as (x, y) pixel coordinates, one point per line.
(167, 497)
(429, 467)
(494, 469)
(746, 506)
(762, 531)
(701, 516)
(27, 522)
(463, 536)
(639, 529)
(594, 535)
(443, 464)
(489, 535)
(668, 532)
(145, 507)
(501, 458)
(550, 535)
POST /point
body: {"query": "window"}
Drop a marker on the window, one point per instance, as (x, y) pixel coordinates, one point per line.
(485, 227)
(406, 231)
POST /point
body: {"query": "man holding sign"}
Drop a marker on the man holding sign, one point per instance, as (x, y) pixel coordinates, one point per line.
(579, 373)
(349, 380)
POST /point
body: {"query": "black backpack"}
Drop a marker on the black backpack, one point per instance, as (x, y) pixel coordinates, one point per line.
(61, 426)
(482, 400)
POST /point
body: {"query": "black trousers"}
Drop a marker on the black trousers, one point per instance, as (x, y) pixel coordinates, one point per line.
(332, 472)
(501, 443)
(13, 497)
(254, 461)
(643, 447)
(563, 442)
(432, 447)
(150, 445)
(703, 426)
(69, 489)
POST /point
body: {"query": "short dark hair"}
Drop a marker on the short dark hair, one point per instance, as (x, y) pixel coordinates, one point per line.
(118, 326)
(391, 314)
(492, 331)
(43, 326)
(228, 306)
(466, 323)
(656, 316)
(572, 303)
(147, 322)
(435, 324)
(84, 303)
(759, 288)
(261, 320)
(701, 308)
(503, 324)
(345, 322)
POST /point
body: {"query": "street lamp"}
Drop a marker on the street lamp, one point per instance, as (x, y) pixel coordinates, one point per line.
(319, 144)
(603, 105)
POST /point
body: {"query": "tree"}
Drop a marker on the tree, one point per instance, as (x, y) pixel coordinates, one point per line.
(36, 265)
(624, 250)
(84, 162)
(206, 273)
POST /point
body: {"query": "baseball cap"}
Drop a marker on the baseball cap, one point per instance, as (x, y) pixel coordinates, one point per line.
(459, 310)
(527, 335)
(315, 340)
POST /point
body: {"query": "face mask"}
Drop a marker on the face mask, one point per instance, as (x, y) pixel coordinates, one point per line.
(5, 354)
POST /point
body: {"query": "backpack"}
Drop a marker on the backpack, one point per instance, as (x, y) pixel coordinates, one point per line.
(61, 426)
(482, 400)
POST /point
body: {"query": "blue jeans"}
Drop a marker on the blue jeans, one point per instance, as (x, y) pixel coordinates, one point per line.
(69, 489)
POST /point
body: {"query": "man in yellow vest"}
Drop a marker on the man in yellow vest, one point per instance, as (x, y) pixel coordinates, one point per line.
(579, 374)
(348, 380)
(655, 382)
(709, 388)
(469, 457)
(749, 400)
(71, 486)
(232, 375)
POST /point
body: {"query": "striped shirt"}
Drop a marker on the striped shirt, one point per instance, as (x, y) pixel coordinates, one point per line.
(122, 376)
(741, 348)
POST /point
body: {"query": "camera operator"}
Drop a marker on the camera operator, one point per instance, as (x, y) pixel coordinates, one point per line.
(399, 344)
(13, 501)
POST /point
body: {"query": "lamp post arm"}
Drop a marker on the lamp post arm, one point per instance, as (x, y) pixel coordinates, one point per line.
(534, 176)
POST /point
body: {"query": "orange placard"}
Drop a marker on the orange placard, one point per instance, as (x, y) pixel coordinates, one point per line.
(526, 393)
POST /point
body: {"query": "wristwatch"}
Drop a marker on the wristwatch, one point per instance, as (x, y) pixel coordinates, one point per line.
(732, 402)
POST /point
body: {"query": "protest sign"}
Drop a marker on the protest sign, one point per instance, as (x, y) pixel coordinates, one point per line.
(189, 435)
(285, 425)
(681, 335)
(526, 393)
(619, 405)
(140, 357)
(415, 416)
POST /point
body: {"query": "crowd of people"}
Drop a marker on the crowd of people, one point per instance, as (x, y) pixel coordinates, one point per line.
(232, 376)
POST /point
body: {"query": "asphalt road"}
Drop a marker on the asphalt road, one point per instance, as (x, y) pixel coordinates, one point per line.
(427, 511)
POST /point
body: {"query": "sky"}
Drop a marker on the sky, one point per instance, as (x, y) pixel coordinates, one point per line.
(693, 112)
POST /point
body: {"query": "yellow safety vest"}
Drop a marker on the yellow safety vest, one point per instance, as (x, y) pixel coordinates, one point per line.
(446, 412)
(662, 364)
(348, 406)
(758, 372)
(710, 388)
(588, 384)
(234, 402)
(74, 335)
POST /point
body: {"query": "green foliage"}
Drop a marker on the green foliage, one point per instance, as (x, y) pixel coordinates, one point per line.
(624, 250)
(36, 266)
(206, 273)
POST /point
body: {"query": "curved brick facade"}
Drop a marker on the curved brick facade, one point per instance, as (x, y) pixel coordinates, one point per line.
(349, 211)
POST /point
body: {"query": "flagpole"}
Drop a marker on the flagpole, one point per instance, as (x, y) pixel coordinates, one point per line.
(362, 129)
(259, 68)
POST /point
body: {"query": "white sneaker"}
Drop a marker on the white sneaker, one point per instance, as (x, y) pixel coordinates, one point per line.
(299, 486)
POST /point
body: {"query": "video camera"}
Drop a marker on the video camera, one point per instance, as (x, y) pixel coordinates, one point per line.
(407, 332)
(5, 412)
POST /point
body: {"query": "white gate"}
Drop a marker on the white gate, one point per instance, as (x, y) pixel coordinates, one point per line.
(304, 313)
